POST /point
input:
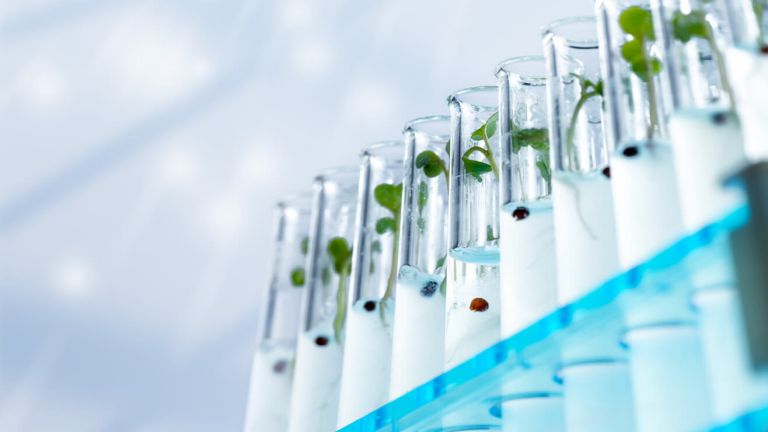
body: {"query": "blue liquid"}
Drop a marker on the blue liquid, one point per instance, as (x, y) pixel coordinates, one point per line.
(484, 255)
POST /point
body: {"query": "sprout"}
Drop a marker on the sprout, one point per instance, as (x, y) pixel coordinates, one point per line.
(637, 22)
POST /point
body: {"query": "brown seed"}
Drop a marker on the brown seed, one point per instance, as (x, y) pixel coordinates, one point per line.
(520, 213)
(279, 367)
(607, 171)
(321, 341)
(478, 304)
(369, 305)
(764, 49)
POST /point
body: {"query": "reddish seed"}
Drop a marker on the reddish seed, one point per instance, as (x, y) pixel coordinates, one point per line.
(631, 151)
(520, 213)
(369, 306)
(764, 49)
(478, 304)
(280, 366)
(607, 171)
(321, 341)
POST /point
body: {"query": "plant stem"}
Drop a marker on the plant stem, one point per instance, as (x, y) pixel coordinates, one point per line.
(720, 62)
(391, 279)
(757, 8)
(341, 307)
(393, 266)
(571, 132)
(488, 155)
(652, 102)
(491, 159)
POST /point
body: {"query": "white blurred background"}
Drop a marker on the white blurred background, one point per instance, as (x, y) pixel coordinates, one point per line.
(142, 146)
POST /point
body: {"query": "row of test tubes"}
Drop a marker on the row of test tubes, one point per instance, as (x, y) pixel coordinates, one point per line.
(578, 164)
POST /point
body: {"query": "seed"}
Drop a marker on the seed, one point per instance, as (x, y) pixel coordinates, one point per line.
(478, 304)
(764, 49)
(520, 213)
(719, 118)
(280, 366)
(607, 171)
(369, 305)
(429, 288)
(321, 341)
(631, 151)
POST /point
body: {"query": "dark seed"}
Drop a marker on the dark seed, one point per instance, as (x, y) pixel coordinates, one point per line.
(429, 288)
(607, 171)
(280, 366)
(520, 213)
(631, 151)
(719, 118)
(764, 49)
(478, 304)
(321, 341)
(369, 305)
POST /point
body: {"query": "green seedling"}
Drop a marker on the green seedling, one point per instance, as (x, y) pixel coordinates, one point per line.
(423, 196)
(637, 22)
(483, 134)
(432, 164)
(686, 27)
(587, 90)
(298, 276)
(340, 253)
(537, 139)
(390, 196)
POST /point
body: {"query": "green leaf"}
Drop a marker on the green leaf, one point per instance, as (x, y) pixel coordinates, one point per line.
(430, 162)
(489, 236)
(421, 223)
(638, 22)
(338, 247)
(632, 51)
(304, 245)
(376, 246)
(440, 262)
(759, 7)
(544, 170)
(389, 196)
(341, 254)
(341, 266)
(536, 138)
(490, 125)
(297, 277)
(479, 133)
(487, 130)
(641, 68)
(688, 26)
(598, 87)
(588, 86)
(385, 224)
(475, 168)
(423, 196)
(448, 147)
